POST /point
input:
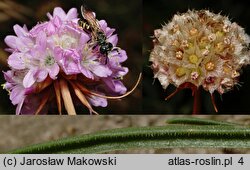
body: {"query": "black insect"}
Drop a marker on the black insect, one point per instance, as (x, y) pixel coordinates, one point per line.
(90, 24)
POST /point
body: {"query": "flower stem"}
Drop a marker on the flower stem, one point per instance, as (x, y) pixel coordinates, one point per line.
(197, 98)
(213, 102)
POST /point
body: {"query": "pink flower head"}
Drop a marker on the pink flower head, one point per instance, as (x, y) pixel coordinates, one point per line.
(58, 57)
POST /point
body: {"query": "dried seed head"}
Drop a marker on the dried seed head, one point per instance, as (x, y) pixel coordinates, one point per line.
(194, 75)
(227, 41)
(226, 28)
(205, 52)
(209, 66)
(193, 31)
(179, 55)
(203, 41)
(211, 37)
(184, 44)
(180, 71)
(219, 47)
(235, 74)
(175, 28)
(193, 59)
(209, 80)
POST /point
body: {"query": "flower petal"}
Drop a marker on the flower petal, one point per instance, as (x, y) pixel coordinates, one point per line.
(72, 14)
(86, 72)
(119, 87)
(58, 11)
(20, 32)
(113, 39)
(51, 28)
(123, 71)
(21, 45)
(57, 21)
(8, 76)
(19, 107)
(97, 101)
(103, 24)
(16, 61)
(10, 40)
(29, 78)
(53, 71)
(17, 95)
(38, 28)
(41, 40)
(100, 70)
(71, 68)
(117, 57)
(41, 75)
(83, 39)
(115, 85)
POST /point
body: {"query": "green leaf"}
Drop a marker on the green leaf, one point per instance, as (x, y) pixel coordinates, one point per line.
(170, 136)
(198, 121)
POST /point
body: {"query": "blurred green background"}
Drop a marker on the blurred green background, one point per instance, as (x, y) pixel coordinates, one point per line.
(156, 13)
(124, 16)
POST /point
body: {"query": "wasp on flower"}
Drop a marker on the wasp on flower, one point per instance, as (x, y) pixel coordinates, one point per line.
(60, 62)
(91, 24)
(200, 49)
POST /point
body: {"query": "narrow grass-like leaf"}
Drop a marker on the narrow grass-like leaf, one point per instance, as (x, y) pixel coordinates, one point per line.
(170, 136)
(198, 121)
